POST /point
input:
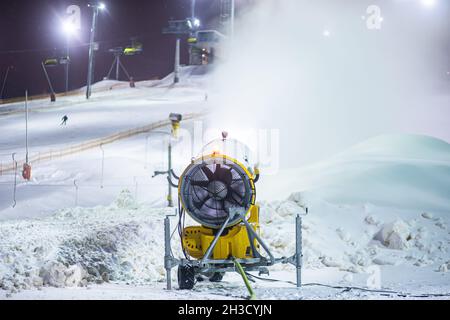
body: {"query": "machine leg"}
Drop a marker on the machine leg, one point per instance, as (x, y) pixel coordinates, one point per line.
(169, 194)
(167, 253)
(298, 249)
(257, 237)
(214, 242)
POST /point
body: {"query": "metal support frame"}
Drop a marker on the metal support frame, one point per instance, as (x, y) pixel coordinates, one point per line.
(4, 81)
(214, 242)
(117, 64)
(52, 91)
(169, 170)
(298, 249)
(207, 265)
(170, 174)
(257, 237)
(169, 260)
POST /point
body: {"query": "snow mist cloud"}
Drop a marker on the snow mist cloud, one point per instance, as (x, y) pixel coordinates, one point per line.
(315, 71)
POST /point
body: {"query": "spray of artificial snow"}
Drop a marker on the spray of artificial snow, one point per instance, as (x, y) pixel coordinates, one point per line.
(313, 70)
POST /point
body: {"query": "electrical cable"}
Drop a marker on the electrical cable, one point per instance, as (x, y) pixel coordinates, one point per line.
(181, 228)
(349, 288)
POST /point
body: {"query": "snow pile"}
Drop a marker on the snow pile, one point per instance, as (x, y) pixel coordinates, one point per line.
(394, 235)
(121, 242)
(383, 202)
(353, 238)
(400, 171)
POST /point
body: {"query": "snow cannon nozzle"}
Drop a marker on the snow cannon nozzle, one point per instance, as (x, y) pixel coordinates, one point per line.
(175, 118)
(224, 135)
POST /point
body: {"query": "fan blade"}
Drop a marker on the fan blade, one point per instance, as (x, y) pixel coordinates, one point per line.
(223, 175)
(230, 197)
(234, 181)
(208, 173)
(203, 184)
(200, 204)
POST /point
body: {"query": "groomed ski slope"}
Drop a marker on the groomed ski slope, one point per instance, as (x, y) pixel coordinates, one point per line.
(382, 206)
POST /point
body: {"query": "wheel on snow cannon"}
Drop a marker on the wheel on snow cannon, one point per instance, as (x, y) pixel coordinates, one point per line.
(216, 277)
(186, 277)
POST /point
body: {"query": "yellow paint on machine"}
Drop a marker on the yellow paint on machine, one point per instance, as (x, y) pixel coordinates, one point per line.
(235, 243)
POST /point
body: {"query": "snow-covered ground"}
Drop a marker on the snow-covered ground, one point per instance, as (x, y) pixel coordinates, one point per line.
(114, 107)
(378, 213)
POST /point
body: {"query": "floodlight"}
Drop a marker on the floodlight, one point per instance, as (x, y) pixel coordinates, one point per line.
(69, 27)
(429, 3)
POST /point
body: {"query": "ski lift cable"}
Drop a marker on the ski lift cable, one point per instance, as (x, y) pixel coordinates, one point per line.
(82, 45)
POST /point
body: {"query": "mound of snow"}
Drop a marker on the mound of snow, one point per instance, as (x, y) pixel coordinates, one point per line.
(400, 171)
(394, 235)
(406, 146)
(56, 274)
(352, 238)
(121, 242)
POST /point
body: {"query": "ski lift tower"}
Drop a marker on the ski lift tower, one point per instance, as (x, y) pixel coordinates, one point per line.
(227, 9)
(178, 28)
(117, 53)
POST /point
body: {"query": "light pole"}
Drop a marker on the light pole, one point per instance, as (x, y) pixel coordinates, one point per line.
(69, 29)
(193, 9)
(96, 8)
(67, 63)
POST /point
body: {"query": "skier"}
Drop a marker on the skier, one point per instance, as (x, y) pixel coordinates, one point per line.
(64, 120)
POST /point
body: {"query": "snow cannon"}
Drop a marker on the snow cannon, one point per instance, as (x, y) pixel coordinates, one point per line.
(217, 191)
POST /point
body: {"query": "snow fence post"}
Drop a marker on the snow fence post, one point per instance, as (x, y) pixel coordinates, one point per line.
(135, 189)
(103, 164)
(76, 192)
(298, 249)
(15, 179)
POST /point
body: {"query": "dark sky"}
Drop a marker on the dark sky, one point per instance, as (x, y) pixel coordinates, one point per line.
(30, 31)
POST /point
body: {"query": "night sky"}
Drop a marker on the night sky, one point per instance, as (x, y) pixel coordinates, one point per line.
(31, 31)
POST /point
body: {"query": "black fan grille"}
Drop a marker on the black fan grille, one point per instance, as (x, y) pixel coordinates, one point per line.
(210, 188)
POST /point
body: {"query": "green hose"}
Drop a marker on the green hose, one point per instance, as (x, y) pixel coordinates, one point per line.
(241, 271)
